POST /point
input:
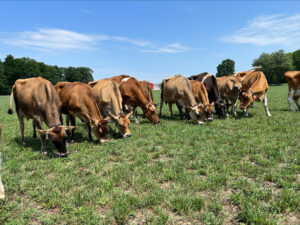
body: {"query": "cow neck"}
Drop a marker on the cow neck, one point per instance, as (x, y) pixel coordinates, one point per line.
(93, 112)
(52, 115)
(143, 101)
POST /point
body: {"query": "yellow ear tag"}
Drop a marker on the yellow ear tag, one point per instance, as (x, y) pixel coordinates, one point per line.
(91, 124)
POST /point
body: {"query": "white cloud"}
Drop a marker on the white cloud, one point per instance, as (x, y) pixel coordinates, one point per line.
(47, 39)
(170, 48)
(278, 29)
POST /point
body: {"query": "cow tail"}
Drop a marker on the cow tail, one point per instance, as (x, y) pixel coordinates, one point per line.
(10, 111)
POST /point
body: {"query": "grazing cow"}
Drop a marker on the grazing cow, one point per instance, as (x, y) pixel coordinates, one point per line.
(148, 93)
(78, 100)
(230, 88)
(109, 101)
(254, 88)
(201, 96)
(36, 98)
(293, 80)
(133, 95)
(178, 90)
(214, 96)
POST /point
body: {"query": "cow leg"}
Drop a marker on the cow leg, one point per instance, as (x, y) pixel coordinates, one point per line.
(61, 119)
(34, 129)
(135, 115)
(180, 111)
(290, 98)
(234, 107)
(39, 126)
(265, 102)
(73, 123)
(170, 107)
(89, 131)
(246, 112)
(21, 121)
(296, 100)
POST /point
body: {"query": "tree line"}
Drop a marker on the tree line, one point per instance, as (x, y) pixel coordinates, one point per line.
(273, 65)
(12, 69)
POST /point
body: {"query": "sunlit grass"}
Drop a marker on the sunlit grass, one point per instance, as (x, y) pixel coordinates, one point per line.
(243, 170)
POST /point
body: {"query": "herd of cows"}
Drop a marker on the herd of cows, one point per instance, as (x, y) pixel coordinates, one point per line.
(117, 98)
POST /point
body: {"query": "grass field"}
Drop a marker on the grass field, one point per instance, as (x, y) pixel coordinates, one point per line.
(233, 171)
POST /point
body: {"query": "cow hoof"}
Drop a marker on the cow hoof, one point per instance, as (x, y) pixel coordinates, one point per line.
(44, 152)
(65, 154)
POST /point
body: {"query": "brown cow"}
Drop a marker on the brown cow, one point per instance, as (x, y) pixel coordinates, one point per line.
(148, 93)
(36, 98)
(133, 95)
(201, 96)
(293, 80)
(178, 90)
(78, 100)
(230, 88)
(254, 88)
(109, 101)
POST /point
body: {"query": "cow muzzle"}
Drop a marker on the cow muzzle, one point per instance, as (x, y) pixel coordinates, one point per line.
(127, 135)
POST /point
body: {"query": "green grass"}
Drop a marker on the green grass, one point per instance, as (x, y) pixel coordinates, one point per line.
(233, 171)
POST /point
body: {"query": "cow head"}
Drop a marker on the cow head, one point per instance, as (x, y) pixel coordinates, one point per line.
(236, 83)
(246, 99)
(151, 113)
(100, 129)
(208, 111)
(58, 136)
(197, 113)
(122, 123)
(220, 109)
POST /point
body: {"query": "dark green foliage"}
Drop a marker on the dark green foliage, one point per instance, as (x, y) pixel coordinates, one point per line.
(225, 68)
(274, 65)
(296, 59)
(20, 68)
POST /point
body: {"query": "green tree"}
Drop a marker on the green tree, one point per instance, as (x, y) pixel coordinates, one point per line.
(274, 65)
(225, 68)
(4, 88)
(296, 59)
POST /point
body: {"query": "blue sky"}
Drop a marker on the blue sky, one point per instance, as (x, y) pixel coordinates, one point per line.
(149, 40)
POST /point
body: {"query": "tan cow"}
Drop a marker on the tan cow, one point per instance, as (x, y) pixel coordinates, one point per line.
(36, 98)
(148, 93)
(293, 80)
(230, 88)
(78, 100)
(178, 90)
(201, 96)
(254, 88)
(133, 95)
(109, 101)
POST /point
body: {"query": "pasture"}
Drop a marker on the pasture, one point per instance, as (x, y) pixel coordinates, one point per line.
(233, 171)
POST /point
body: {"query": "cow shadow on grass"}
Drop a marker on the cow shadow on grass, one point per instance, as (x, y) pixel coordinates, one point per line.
(35, 144)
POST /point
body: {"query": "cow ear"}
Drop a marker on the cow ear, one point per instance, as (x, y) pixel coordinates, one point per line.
(212, 103)
(43, 132)
(107, 119)
(68, 127)
(113, 117)
(232, 80)
(129, 114)
(189, 108)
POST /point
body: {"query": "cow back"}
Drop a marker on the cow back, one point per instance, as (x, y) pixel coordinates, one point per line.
(256, 82)
(37, 96)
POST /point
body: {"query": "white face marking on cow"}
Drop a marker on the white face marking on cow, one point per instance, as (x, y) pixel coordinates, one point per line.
(125, 79)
